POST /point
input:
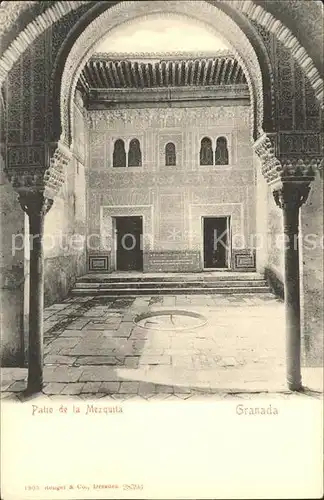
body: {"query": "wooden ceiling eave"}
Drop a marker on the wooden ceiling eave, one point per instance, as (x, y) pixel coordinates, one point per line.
(105, 73)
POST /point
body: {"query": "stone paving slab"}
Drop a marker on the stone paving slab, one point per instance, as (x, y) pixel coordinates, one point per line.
(94, 347)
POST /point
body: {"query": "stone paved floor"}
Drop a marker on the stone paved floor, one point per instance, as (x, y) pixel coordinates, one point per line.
(94, 348)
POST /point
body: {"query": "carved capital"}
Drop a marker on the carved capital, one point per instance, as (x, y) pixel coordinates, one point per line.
(278, 166)
(35, 203)
(26, 178)
(28, 174)
(291, 195)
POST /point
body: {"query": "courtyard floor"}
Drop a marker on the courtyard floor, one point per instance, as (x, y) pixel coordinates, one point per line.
(114, 347)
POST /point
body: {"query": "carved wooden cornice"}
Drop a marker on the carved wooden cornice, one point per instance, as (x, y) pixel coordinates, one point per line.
(158, 97)
(102, 73)
(278, 166)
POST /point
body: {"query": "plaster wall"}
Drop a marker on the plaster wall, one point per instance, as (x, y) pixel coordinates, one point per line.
(312, 273)
(174, 199)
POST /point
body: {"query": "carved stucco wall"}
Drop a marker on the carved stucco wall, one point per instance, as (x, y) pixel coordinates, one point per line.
(282, 19)
(65, 223)
(12, 277)
(177, 196)
(28, 93)
(295, 107)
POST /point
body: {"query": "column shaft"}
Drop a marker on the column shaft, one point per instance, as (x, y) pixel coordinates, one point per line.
(292, 297)
(36, 302)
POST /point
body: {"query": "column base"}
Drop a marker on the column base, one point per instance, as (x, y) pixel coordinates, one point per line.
(34, 386)
(295, 387)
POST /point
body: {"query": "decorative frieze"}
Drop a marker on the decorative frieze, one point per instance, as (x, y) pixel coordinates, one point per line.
(301, 144)
(161, 118)
(19, 156)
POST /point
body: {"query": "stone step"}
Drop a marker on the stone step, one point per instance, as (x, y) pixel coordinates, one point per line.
(166, 284)
(100, 290)
(169, 278)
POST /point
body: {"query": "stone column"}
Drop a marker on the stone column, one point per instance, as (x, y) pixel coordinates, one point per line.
(36, 206)
(289, 197)
(289, 177)
(37, 187)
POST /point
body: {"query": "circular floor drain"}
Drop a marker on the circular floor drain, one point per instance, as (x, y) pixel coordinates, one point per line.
(171, 319)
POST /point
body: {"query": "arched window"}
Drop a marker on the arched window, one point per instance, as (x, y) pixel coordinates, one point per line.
(206, 152)
(134, 154)
(170, 154)
(119, 155)
(221, 151)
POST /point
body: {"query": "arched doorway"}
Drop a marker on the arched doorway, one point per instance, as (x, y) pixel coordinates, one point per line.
(66, 102)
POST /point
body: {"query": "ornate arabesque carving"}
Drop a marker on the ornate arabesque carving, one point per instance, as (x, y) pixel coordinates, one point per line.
(28, 179)
(213, 19)
(143, 118)
(265, 149)
(278, 166)
(256, 13)
(32, 31)
(10, 12)
(58, 10)
(54, 177)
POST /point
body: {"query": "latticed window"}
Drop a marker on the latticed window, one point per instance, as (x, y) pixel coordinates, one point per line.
(119, 154)
(170, 154)
(206, 152)
(134, 154)
(221, 151)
